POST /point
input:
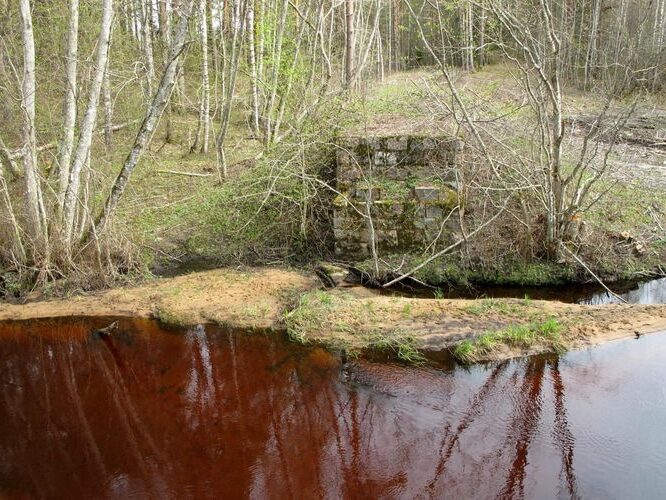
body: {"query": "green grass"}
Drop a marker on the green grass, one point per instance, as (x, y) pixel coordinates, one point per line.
(404, 346)
(484, 306)
(547, 333)
(306, 315)
(169, 317)
(313, 320)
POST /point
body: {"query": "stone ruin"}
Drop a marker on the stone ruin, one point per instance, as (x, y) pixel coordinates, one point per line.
(407, 183)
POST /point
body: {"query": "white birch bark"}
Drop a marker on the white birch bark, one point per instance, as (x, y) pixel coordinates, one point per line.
(350, 46)
(230, 71)
(148, 48)
(33, 195)
(69, 124)
(254, 90)
(203, 127)
(88, 123)
(152, 118)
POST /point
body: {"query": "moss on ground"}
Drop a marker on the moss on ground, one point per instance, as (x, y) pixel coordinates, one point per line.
(455, 270)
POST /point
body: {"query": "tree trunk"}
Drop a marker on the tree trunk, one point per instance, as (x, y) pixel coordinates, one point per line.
(33, 196)
(148, 48)
(88, 124)
(71, 88)
(203, 126)
(591, 59)
(349, 42)
(230, 71)
(153, 115)
(254, 90)
(107, 104)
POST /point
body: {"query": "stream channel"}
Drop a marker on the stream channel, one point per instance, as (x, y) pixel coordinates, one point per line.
(153, 412)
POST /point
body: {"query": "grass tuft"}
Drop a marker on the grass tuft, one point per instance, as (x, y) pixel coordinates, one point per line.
(547, 334)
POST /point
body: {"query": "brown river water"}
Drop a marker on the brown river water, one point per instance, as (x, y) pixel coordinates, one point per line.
(206, 413)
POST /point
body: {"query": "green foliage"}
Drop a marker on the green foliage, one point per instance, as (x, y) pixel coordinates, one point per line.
(403, 345)
(529, 274)
(169, 317)
(267, 212)
(546, 334)
(499, 306)
(314, 318)
(306, 315)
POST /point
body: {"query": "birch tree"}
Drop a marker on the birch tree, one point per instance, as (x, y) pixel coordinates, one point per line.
(153, 114)
(87, 125)
(203, 127)
(34, 204)
(231, 54)
(350, 45)
(71, 90)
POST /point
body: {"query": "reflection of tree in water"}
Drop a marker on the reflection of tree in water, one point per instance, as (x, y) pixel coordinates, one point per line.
(561, 432)
(200, 389)
(477, 406)
(217, 412)
(528, 397)
(527, 415)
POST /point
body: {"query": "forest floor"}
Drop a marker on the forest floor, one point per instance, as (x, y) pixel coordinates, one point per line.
(358, 320)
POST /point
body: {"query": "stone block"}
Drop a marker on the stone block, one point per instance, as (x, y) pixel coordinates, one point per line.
(388, 238)
(349, 175)
(397, 173)
(398, 143)
(434, 212)
(363, 194)
(385, 159)
(426, 193)
(401, 219)
(345, 235)
(396, 209)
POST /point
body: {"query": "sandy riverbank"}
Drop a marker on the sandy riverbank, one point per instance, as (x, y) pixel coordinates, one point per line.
(351, 319)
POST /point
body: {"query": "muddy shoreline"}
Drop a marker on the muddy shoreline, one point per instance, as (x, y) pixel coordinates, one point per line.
(353, 320)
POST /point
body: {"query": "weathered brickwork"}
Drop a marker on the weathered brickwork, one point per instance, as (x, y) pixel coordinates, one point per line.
(408, 186)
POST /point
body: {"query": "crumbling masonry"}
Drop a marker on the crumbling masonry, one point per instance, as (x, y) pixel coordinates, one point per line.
(405, 183)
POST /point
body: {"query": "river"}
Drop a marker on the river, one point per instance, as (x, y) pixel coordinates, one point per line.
(150, 412)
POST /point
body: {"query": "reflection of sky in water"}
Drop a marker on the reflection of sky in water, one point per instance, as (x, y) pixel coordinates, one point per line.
(649, 292)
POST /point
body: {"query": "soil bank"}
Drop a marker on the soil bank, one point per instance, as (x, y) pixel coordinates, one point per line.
(352, 319)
